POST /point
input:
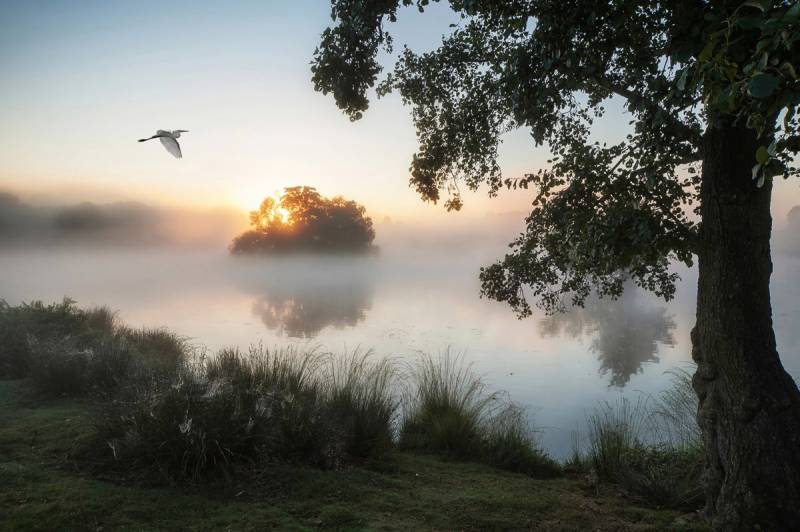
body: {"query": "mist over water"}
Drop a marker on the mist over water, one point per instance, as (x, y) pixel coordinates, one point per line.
(420, 293)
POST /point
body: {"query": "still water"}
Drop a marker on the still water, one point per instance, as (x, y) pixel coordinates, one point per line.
(399, 304)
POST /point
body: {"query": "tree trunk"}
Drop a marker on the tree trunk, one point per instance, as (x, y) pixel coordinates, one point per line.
(749, 406)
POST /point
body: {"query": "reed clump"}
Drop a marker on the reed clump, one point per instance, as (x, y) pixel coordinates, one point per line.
(254, 407)
(651, 446)
(448, 410)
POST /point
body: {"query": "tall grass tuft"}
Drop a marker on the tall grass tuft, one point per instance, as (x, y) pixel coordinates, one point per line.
(510, 443)
(360, 398)
(615, 431)
(448, 410)
(651, 446)
(674, 411)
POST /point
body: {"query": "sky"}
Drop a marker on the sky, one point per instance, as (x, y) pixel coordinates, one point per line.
(83, 80)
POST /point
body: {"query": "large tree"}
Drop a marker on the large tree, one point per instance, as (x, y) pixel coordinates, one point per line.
(711, 91)
(304, 220)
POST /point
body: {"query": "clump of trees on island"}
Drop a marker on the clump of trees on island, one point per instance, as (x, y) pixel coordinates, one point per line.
(304, 220)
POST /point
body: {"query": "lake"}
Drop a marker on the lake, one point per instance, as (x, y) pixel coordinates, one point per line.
(399, 303)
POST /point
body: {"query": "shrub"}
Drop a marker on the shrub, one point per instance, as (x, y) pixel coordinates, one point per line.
(71, 351)
(48, 325)
(57, 367)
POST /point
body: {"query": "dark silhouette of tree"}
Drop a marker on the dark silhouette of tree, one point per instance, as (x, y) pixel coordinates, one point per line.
(625, 334)
(303, 220)
(704, 84)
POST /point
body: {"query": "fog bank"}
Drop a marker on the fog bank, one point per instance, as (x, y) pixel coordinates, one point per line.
(116, 224)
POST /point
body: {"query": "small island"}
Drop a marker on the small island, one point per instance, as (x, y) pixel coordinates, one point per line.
(304, 220)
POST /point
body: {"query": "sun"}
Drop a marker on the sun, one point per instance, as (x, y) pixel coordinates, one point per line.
(285, 215)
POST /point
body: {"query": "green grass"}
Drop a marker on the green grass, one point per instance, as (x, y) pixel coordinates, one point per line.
(44, 486)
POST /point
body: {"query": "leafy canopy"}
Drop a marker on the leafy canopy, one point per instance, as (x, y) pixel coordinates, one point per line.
(303, 220)
(601, 213)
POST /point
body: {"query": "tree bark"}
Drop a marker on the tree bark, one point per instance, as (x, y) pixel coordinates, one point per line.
(749, 406)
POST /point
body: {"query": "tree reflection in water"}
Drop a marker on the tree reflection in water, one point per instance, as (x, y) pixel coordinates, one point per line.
(299, 296)
(625, 333)
(302, 311)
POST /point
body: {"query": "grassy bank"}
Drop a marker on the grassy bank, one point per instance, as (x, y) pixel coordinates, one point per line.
(44, 485)
(102, 425)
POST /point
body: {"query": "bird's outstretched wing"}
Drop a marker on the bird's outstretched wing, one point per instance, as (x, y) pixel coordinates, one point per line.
(172, 146)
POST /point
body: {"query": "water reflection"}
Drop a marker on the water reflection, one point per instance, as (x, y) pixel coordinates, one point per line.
(300, 297)
(625, 333)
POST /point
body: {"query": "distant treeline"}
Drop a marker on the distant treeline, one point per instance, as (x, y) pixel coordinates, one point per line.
(118, 223)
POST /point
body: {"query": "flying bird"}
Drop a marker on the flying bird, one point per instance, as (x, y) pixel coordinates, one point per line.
(168, 139)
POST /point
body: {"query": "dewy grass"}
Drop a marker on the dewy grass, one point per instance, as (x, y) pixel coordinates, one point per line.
(46, 324)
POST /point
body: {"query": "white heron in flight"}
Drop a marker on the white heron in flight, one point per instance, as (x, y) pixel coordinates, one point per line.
(169, 140)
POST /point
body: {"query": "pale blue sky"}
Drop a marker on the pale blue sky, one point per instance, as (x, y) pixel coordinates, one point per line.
(82, 80)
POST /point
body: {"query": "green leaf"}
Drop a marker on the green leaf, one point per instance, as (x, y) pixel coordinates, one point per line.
(789, 69)
(762, 155)
(708, 51)
(762, 86)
